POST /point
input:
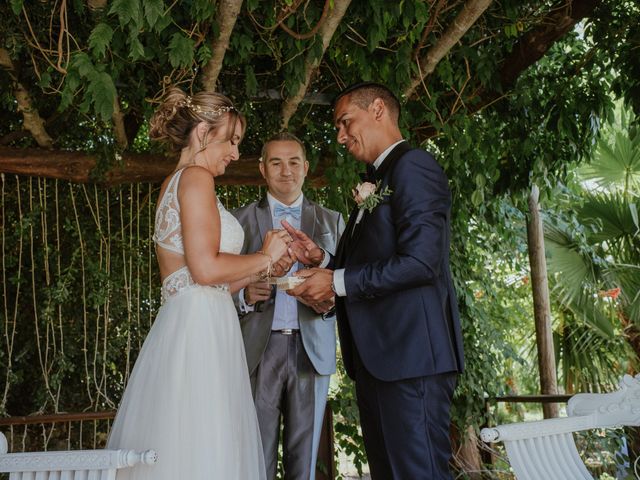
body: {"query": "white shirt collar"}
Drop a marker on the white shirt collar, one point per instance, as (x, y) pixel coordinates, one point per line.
(273, 201)
(384, 154)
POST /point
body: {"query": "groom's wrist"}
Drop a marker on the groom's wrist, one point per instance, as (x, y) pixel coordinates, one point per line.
(338, 283)
(323, 259)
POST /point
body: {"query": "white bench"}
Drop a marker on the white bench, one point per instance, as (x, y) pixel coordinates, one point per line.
(545, 450)
(71, 464)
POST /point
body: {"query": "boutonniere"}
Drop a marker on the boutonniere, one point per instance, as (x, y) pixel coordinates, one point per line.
(367, 197)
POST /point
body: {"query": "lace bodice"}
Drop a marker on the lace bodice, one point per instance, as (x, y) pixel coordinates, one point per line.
(168, 235)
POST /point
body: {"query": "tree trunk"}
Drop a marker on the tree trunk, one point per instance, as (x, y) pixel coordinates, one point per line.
(470, 12)
(541, 305)
(226, 17)
(467, 453)
(326, 31)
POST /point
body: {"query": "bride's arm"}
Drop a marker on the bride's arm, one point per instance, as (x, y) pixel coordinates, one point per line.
(200, 220)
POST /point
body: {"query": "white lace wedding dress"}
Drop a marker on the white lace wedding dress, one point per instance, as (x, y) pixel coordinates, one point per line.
(188, 397)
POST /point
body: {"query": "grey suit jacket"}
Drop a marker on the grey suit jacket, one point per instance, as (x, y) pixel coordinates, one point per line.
(324, 226)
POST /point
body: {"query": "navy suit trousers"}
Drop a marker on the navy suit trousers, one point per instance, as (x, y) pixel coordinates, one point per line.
(406, 425)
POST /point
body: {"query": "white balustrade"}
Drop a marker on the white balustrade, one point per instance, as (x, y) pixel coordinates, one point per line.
(545, 449)
(71, 464)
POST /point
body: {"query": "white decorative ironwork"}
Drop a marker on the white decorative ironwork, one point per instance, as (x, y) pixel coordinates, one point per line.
(100, 463)
(546, 449)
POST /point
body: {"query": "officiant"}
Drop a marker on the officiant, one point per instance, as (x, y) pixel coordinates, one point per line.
(290, 346)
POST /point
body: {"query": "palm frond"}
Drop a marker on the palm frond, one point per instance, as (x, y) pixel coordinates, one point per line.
(588, 360)
(616, 162)
(574, 273)
(611, 217)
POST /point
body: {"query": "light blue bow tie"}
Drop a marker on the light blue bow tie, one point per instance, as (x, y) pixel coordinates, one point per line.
(282, 211)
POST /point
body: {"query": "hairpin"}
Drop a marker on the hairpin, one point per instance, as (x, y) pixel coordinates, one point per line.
(206, 112)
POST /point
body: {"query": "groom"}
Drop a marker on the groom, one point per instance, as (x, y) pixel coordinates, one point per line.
(396, 307)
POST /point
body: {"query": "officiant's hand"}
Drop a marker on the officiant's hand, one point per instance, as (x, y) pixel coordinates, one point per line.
(317, 285)
(320, 307)
(305, 249)
(257, 292)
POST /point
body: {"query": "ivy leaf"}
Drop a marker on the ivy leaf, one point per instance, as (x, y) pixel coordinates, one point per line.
(153, 10)
(204, 54)
(45, 80)
(71, 84)
(203, 9)
(16, 6)
(163, 22)
(137, 50)
(83, 64)
(100, 38)
(127, 11)
(180, 50)
(102, 92)
(477, 198)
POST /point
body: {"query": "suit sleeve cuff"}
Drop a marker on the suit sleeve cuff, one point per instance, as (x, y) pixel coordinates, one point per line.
(338, 283)
(244, 307)
(325, 259)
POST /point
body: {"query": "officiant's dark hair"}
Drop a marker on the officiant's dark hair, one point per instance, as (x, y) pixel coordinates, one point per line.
(283, 137)
(362, 94)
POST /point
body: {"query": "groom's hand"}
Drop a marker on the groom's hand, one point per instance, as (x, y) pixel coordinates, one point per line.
(316, 288)
(302, 247)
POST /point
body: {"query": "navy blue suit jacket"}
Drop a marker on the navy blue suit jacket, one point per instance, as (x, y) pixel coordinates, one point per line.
(401, 310)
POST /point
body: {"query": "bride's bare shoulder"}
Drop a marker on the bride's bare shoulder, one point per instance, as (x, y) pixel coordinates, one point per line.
(196, 179)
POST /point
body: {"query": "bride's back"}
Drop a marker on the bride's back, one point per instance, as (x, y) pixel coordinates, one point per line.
(168, 229)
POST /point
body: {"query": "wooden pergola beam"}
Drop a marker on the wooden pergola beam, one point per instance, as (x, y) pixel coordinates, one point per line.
(79, 167)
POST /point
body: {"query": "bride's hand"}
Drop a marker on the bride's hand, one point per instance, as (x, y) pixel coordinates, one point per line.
(282, 266)
(276, 244)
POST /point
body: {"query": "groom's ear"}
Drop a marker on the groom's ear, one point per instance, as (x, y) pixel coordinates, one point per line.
(378, 108)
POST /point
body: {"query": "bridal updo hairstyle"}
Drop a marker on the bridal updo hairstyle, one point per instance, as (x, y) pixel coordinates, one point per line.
(179, 113)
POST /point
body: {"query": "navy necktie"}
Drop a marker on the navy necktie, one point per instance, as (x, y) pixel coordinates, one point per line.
(281, 211)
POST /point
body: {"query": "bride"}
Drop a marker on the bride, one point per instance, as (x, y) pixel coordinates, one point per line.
(189, 396)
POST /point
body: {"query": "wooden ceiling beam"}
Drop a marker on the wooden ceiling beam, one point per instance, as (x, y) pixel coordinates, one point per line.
(80, 167)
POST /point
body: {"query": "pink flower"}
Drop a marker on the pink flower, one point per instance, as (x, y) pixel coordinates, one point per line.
(362, 191)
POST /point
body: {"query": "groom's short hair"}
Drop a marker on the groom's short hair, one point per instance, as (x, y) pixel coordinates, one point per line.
(364, 93)
(282, 137)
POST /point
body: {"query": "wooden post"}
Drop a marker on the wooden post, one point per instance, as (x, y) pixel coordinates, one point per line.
(326, 465)
(541, 304)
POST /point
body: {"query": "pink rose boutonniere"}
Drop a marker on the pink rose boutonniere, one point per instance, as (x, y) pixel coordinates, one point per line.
(366, 196)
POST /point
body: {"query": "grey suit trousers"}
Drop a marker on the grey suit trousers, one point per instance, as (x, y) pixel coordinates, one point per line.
(287, 390)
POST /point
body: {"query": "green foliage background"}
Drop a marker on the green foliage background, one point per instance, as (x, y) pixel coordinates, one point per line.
(80, 286)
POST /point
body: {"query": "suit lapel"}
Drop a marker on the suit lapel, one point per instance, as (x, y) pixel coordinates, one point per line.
(263, 217)
(380, 175)
(346, 237)
(308, 218)
(388, 162)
